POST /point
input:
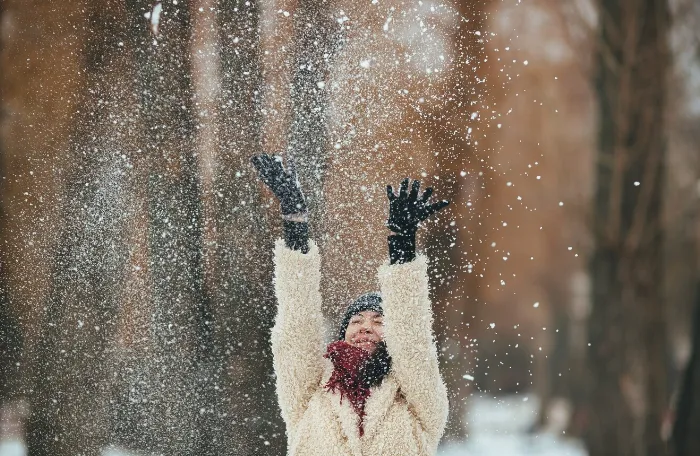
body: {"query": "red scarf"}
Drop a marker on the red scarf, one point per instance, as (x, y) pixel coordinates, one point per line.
(348, 362)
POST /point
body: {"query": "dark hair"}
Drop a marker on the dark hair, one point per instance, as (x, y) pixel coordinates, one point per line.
(377, 366)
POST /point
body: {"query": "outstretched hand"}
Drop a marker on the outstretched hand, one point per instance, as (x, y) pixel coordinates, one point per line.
(284, 184)
(407, 210)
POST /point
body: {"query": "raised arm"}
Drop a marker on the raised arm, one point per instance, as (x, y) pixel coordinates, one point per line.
(297, 342)
(409, 339)
(297, 334)
(407, 313)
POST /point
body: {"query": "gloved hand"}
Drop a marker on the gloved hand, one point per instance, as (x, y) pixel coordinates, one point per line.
(285, 186)
(406, 211)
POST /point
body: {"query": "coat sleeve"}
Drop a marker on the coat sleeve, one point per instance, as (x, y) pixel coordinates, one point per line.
(297, 339)
(409, 338)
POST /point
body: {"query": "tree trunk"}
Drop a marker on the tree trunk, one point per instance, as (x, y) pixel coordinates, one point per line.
(314, 47)
(238, 248)
(162, 395)
(71, 365)
(10, 334)
(457, 289)
(41, 78)
(627, 354)
(10, 343)
(685, 438)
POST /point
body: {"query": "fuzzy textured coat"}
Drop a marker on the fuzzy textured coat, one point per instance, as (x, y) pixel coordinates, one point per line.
(405, 415)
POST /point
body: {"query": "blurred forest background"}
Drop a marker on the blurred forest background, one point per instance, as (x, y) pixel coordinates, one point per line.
(135, 241)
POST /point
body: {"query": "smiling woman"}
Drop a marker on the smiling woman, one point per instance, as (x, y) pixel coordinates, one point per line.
(365, 330)
(377, 389)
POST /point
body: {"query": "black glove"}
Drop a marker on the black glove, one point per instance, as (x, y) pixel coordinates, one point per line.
(286, 188)
(283, 184)
(406, 211)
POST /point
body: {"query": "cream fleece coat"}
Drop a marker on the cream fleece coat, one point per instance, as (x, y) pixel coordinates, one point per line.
(405, 414)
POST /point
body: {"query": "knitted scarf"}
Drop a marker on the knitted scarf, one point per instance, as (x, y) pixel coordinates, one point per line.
(354, 371)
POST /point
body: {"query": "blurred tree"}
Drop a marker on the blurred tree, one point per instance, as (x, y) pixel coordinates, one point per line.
(455, 269)
(70, 369)
(10, 335)
(316, 39)
(240, 259)
(10, 344)
(41, 60)
(164, 398)
(238, 241)
(683, 209)
(627, 355)
(686, 440)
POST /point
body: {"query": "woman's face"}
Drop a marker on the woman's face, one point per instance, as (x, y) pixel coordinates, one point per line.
(365, 330)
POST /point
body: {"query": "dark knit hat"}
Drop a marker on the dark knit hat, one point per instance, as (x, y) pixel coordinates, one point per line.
(368, 301)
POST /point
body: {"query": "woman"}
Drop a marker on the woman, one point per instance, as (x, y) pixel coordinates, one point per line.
(377, 390)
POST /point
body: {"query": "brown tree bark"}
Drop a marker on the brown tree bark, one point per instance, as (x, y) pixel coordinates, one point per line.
(70, 370)
(11, 341)
(238, 248)
(41, 62)
(628, 352)
(316, 40)
(162, 396)
(10, 334)
(458, 300)
(685, 438)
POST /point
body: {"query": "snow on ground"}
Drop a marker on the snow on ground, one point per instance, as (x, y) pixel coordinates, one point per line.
(514, 445)
(500, 426)
(497, 427)
(18, 448)
(12, 448)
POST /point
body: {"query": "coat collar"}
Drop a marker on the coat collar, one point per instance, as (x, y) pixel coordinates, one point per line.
(378, 403)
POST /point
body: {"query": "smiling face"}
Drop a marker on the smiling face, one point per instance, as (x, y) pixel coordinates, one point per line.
(365, 330)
